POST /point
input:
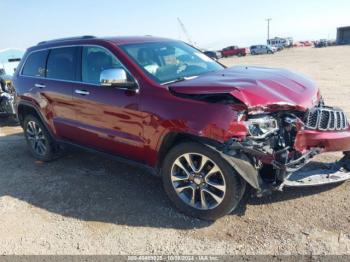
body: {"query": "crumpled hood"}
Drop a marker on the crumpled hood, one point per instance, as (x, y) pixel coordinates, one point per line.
(257, 87)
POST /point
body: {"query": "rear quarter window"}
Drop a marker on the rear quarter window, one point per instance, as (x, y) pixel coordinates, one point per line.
(35, 64)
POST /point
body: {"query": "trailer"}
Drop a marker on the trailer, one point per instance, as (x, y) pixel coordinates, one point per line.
(280, 41)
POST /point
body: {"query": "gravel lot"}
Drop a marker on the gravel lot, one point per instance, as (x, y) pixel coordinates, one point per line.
(86, 204)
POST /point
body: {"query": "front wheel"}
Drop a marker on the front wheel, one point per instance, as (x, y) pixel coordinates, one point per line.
(200, 182)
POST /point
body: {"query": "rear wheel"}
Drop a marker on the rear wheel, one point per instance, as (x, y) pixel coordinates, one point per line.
(39, 141)
(200, 182)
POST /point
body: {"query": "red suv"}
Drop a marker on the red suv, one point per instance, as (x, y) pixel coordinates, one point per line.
(205, 129)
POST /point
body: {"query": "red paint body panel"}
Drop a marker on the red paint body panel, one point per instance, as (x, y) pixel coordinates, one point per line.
(233, 51)
(256, 87)
(328, 141)
(110, 120)
(134, 124)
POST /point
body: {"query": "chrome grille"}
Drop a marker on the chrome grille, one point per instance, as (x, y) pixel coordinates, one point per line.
(326, 118)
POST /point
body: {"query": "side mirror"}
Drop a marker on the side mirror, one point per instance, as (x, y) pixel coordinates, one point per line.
(116, 77)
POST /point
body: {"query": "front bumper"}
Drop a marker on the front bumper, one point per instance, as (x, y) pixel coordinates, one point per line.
(299, 172)
(317, 173)
(328, 141)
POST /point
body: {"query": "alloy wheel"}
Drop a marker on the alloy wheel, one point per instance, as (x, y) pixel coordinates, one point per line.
(37, 138)
(198, 181)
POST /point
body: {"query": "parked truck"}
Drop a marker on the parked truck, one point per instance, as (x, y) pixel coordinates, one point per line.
(233, 50)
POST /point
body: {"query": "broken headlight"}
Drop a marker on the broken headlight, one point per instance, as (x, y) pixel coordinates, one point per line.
(260, 128)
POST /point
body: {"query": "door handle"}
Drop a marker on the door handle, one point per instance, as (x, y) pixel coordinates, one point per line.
(82, 92)
(39, 85)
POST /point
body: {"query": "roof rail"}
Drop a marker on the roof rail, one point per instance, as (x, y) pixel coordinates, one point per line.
(67, 39)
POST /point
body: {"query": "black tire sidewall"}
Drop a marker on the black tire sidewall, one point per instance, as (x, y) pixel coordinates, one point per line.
(49, 155)
(234, 190)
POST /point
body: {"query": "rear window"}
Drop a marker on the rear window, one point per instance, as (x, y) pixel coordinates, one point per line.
(61, 63)
(35, 64)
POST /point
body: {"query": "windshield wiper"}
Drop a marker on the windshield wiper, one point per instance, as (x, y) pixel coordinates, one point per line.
(179, 79)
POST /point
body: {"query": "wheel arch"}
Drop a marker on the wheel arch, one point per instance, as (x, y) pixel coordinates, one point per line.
(241, 162)
(26, 108)
(174, 138)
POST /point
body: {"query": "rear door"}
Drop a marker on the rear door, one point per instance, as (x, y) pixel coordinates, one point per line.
(57, 88)
(48, 73)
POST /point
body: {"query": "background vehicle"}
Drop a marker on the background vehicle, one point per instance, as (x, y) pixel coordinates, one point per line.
(306, 43)
(280, 41)
(273, 48)
(5, 79)
(321, 43)
(213, 54)
(262, 49)
(233, 50)
(205, 129)
(278, 47)
(7, 92)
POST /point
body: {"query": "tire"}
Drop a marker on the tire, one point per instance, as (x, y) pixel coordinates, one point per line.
(252, 53)
(225, 184)
(39, 141)
(269, 52)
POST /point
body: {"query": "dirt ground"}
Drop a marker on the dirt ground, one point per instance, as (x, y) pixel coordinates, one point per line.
(86, 204)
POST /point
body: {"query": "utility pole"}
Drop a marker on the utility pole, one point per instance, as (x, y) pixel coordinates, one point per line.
(268, 27)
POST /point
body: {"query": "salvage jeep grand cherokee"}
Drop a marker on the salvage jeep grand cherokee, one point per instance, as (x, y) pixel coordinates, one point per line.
(206, 129)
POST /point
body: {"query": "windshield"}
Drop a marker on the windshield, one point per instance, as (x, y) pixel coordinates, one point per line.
(168, 62)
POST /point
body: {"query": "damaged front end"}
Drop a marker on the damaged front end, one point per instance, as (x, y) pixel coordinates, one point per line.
(280, 145)
(286, 124)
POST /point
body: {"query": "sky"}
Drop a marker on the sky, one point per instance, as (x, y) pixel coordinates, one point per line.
(210, 24)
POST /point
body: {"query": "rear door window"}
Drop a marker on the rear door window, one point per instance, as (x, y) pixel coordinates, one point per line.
(35, 64)
(62, 63)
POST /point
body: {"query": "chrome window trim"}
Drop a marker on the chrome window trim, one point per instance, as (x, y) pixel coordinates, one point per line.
(70, 81)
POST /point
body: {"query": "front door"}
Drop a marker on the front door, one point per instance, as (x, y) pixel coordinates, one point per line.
(107, 118)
